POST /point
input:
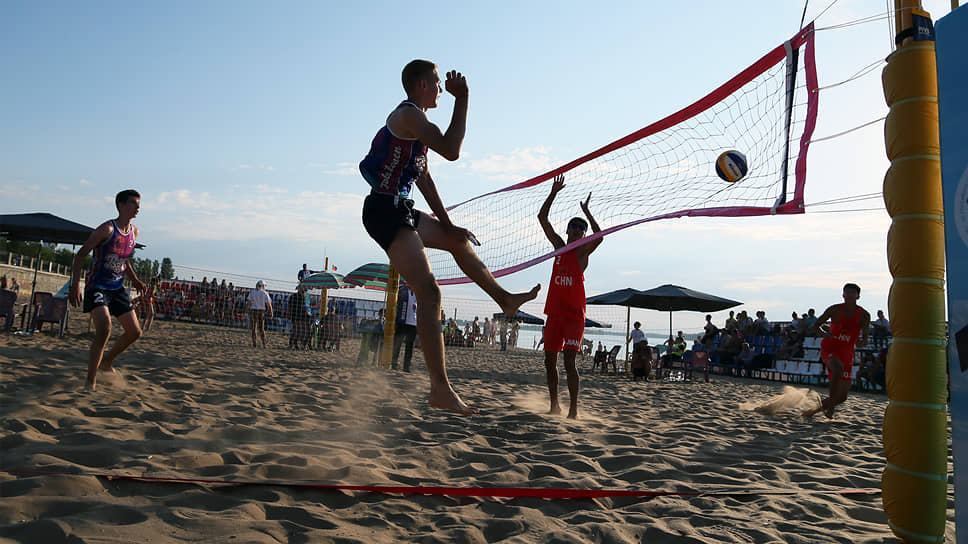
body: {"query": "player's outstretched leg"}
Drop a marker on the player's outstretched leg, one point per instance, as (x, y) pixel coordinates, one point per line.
(435, 235)
(408, 256)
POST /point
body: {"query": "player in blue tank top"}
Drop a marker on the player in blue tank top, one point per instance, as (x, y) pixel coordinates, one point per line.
(104, 292)
(397, 160)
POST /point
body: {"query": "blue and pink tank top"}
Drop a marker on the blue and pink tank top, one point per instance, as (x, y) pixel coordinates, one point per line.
(110, 260)
(394, 163)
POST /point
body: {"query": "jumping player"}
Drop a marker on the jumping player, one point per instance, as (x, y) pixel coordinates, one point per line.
(849, 324)
(565, 305)
(396, 161)
(104, 292)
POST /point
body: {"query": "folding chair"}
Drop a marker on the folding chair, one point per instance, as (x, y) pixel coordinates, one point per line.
(53, 312)
(698, 362)
(610, 359)
(8, 302)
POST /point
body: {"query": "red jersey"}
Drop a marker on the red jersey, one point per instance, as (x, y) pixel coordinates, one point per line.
(566, 295)
(846, 329)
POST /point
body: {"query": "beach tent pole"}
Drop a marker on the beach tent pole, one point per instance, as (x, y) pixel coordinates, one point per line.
(670, 323)
(390, 316)
(628, 331)
(31, 310)
(324, 296)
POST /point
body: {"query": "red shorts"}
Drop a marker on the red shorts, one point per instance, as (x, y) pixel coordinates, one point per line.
(563, 332)
(843, 351)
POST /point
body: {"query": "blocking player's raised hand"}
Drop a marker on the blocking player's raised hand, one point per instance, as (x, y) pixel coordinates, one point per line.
(456, 84)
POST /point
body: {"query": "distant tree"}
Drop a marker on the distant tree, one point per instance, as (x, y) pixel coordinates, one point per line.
(167, 270)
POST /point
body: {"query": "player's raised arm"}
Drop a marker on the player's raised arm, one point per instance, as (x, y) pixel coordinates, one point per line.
(590, 246)
(557, 185)
(415, 122)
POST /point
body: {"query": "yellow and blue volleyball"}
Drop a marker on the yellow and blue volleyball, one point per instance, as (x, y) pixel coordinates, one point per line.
(731, 166)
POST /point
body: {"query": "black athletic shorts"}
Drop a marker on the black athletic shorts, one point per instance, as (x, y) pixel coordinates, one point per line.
(116, 300)
(384, 215)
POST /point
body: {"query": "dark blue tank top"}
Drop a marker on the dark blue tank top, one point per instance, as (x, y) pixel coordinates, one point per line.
(394, 163)
(110, 260)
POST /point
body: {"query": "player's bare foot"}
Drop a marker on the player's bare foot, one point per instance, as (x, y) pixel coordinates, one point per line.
(555, 410)
(514, 301)
(90, 385)
(573, 414)
(446, 398)
(814, 411)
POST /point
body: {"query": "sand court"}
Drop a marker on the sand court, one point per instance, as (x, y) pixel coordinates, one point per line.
(194, 401)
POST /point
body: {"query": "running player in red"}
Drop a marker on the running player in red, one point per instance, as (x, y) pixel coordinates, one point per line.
(565, 305)
(849, 324)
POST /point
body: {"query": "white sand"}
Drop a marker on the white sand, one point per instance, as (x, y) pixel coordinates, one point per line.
(194, 401)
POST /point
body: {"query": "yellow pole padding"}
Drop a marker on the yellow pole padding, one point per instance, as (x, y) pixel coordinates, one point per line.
(917, 312)
(915, 507)
(915, 480)
(929, 386)
(903, 194)
(390, 317)
(915, 245)
(912, 72)
(912, 128)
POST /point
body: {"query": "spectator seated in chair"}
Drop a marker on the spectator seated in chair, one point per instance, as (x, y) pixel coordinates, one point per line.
(641, 363)
(730, 347)
(791, 347)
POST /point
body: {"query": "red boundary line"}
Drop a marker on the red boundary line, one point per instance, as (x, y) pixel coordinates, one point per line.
(805, 37)
(507, 492)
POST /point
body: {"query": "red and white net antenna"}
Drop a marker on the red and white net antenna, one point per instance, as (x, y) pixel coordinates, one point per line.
(665, 170)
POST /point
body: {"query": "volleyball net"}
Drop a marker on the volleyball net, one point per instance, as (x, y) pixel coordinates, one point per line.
(666, 169)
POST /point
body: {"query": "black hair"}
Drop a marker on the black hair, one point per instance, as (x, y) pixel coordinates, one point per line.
(124, 195)
(853, 286)
(415, 71)
(579, 221)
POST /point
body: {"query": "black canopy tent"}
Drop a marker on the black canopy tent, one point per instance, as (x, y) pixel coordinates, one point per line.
(44, 227)
(525, 317)
(666, 298)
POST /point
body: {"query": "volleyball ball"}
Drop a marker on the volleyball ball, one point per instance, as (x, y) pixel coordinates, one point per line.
(731, 166)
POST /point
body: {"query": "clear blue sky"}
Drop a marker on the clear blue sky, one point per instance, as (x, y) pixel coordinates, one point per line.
(241, 123)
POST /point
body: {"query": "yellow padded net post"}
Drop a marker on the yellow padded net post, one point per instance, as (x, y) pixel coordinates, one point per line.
(390, 316)
(915, 480)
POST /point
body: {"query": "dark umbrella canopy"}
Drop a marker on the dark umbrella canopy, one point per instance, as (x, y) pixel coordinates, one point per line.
(591, 323)
(35, 227)
(523, 317)
(529, 319)
(665, 298)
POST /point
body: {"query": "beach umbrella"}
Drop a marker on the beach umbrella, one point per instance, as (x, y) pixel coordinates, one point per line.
(591, 323)
(322, 280)
(376, 285)
(665, 298)
(523, 317)
(369, 272)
